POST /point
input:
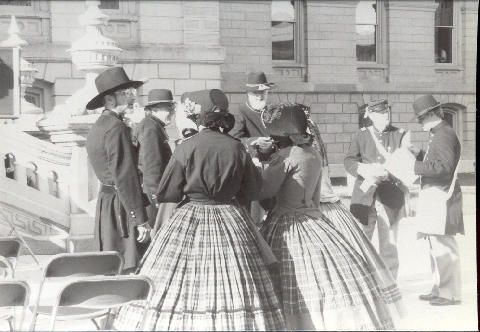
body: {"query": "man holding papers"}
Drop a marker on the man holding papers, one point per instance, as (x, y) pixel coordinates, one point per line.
(377, 197)
(440, 192)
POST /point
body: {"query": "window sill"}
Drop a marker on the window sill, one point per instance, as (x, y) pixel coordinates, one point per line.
(287, 65)
(371, 65)
(447, 67)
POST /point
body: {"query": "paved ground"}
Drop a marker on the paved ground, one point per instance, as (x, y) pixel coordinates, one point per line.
(414, 279)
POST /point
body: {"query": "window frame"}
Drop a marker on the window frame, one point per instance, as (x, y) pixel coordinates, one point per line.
(298, 38)
(456, 38)
(380, 36)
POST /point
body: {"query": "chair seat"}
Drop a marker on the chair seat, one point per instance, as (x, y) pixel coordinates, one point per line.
(66, 313)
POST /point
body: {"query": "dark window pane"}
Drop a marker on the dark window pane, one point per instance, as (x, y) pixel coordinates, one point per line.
(443, 45)
(109, 4)
(16, 2)
(448, 117)
(444, 13)
(366, 42)
(283, 10)
(283, 43)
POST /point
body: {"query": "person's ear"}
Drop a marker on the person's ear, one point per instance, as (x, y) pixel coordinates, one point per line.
(110, 101)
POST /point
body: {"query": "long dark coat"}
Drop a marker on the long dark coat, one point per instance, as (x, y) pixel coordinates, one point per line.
(437, 168)
(248, 124)
(154, 152)
(120, 205)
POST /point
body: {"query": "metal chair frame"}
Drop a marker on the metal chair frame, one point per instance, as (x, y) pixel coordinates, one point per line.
(11, 319)
(81, 301)
(57, 259)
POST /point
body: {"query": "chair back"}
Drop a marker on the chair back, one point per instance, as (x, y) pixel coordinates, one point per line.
(84, 264)
(15, 293)
(10, 247)
(9, 250)
(104, 293)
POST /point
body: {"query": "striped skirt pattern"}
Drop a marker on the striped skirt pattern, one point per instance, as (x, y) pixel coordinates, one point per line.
(345, 223)
(323, 283)
(208, 275)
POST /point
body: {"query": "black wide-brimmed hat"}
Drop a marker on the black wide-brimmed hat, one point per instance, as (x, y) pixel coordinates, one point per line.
(159, 96)
(425, 104)
(285, 120)
(376, 106)
(108, 81)
(257, 81)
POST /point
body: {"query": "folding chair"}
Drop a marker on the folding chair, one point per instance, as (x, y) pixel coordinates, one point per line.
(9, 250)
(68, 265)
(14, 294)
(103, 293)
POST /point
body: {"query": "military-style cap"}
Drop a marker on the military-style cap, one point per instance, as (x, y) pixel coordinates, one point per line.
(377, 106)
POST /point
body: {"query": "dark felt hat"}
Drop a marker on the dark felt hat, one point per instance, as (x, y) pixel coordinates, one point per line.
(425, 104)
(257, 81)
(107, 82)
(285, 120)
(158, 96)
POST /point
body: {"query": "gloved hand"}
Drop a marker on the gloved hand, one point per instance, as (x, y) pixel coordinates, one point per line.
(143, 232)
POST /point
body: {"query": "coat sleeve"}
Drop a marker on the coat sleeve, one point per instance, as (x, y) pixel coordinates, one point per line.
(154, 155)
(124, 171)
(173, 180)
(442, 158)
(239, 130)
(273, 176)
(251, 182)
(353, 157)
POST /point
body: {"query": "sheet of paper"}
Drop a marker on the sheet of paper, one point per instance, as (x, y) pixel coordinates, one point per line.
(401, 165)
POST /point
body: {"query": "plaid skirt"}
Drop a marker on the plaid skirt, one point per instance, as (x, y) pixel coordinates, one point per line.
(345, 223)
(323, 283)
(208, 275)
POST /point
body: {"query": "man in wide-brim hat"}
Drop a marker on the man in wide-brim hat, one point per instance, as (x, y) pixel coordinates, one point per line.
(378, 199)
(248, 124)
(121, 219)
(154, 151)
(437, 167)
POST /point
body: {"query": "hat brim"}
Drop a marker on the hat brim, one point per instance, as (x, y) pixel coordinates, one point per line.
(425, 111)
(155, 102)
(97, 101)
(260, 87)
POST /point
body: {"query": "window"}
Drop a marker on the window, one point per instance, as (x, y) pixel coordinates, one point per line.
(9, 166)
(109, 4)
(367, 30)
(453, 115)
(15, 2)
(444, 31)
(32, 175)
(287, 30)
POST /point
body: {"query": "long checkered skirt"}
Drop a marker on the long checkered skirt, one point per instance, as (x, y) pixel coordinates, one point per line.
(323, 283)
(208, 275)
(345, 223)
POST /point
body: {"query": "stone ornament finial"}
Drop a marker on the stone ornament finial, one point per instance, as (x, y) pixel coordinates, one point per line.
(13, 39)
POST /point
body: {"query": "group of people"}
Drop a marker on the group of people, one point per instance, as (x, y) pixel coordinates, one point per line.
(239, 227)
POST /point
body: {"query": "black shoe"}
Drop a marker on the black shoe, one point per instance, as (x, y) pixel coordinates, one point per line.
(427, 297)
(443, 301)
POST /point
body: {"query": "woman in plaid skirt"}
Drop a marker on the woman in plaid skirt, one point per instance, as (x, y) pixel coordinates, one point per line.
(208, 263)
(344, 221)
(322, 281)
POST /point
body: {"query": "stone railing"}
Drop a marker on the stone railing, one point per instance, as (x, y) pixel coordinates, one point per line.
(36, 190)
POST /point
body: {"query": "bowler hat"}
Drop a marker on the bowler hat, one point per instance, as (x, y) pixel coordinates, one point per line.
(157, 96)
(107, 82)
(424, 104)
(285, 119)
(376, 106)
(257, 81)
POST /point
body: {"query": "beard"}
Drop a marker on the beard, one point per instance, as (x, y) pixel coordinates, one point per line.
(257, 104)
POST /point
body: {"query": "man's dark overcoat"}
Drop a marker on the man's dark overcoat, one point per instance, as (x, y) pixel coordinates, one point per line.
(120, 205)
(437, 168)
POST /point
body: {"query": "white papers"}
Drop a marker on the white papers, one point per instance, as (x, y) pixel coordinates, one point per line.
(401, 164)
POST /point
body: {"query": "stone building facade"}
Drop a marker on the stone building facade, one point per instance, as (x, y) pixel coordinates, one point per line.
(332, 55)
